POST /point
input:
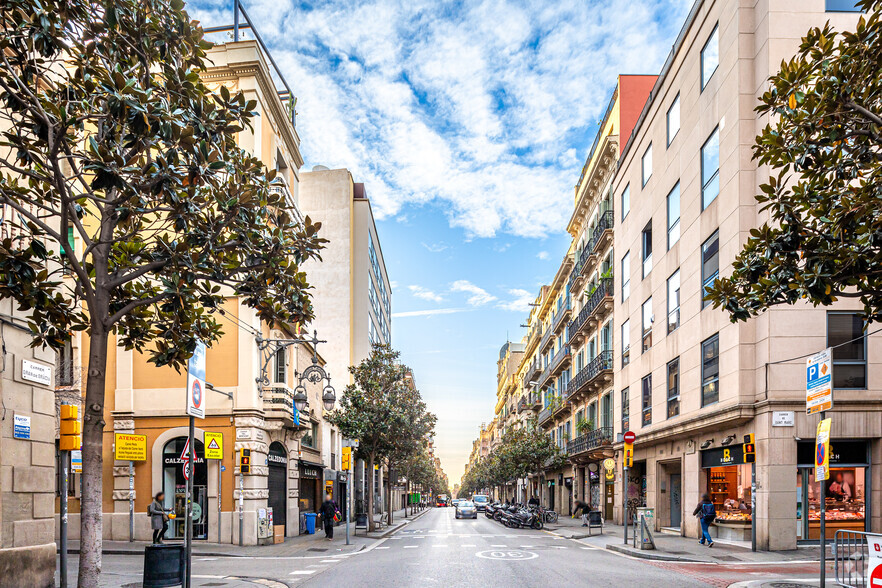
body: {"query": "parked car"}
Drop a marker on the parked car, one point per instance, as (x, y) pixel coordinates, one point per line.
(466, 509)
(481, 501)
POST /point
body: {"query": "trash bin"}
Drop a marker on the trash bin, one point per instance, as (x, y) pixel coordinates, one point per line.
(164, 566)
(310, 523)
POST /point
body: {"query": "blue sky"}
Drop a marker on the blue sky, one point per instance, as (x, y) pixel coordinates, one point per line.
(468, 121)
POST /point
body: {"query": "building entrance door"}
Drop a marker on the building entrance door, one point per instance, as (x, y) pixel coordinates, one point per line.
(174, 485)
(676, 504)
(609, 502)
(277, 483)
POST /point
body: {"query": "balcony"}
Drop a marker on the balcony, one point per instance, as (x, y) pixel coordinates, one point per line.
(603, 231)
(533, 371)
(599, 300)
(561, 315)
(594, 375)
(546, 338)
(581, 264)
(522, 404)
(544, 416)
(591, 445)
(534, 401)
(562, 355)
(600, 237)
(278, 402)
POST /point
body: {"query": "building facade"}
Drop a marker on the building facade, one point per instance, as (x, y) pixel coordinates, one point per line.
(693, 385)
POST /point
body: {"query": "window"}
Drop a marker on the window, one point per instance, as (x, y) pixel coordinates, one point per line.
(62, 249)
(846, 330)
(674, 301)
(281, 366)
(626, 410)
(842, 6)
(647, 400)
(674, 119)
(674, 388)
(606, 337)
(647, 324)
(606, 416)
(710, 264)
(710, 370)
(592, 415)
(626, 343)
(647, 248)
(626, 276)
(710, 169)
(626, 201)
(647, 164)
(674, 215)
(64, 365)
(710, 57)
(309, 439)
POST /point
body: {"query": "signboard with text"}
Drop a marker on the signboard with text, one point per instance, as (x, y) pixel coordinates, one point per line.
(874, 567)
(129, 447)
(819, 382)
(214, 445)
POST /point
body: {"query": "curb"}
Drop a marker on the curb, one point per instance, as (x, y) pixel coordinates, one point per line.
(118, 551)
(651, 556)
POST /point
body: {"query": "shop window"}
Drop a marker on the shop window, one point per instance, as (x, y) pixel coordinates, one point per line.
(647, 400)
(710, 370)
(626, 201)
(710, 265)
(845, 334)
(626, 343)
(647, 324)
(674, 388)
(729, 489)
(674, 301)
(845, 495)
(626, 410)
(674, 215)
(626, 275)
(710, 57)
(710, 169)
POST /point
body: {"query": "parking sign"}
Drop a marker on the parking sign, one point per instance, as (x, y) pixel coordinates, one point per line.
(819, 382)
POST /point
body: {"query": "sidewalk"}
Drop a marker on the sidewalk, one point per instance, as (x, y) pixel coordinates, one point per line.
(302, 545)
(679, 549)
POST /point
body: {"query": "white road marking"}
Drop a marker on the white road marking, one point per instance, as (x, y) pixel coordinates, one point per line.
(382, 548)
(330, 560)
(410, 546)
(302, 573)
(497, 546)
(558, 547)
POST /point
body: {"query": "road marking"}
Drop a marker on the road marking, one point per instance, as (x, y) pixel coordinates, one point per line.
(497, 546)
(382, 548)
(302, 573)
(511, 554)
(330, 560)
(410, 546)
(526, 546)
(558, 547)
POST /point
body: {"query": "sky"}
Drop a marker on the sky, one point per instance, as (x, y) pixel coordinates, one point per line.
(468, 122)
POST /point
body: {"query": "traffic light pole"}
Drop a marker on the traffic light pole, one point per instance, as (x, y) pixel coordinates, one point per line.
(241, 505)
(348, 490)
(625, 500)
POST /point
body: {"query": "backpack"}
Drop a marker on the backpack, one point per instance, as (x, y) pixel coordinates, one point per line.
(708, 511)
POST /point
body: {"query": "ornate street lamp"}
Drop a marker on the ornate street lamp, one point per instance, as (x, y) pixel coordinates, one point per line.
(313, 374)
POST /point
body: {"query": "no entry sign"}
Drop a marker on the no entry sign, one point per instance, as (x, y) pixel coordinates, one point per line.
(874, 567)
(629, 437)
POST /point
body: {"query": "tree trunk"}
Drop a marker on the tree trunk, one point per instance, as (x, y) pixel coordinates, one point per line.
(93, 440)
(370, 492)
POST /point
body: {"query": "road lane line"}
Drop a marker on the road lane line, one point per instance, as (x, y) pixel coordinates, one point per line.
(385, 547)
(302, 573)
(410, 546)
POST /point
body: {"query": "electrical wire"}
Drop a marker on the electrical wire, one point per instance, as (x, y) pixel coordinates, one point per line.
(236, 322)
(864, 336)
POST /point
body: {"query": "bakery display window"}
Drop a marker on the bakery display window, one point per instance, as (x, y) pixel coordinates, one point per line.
(729, 489)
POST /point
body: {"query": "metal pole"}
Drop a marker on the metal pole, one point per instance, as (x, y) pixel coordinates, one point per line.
(62, 566)
(131, 501)
(236, 20)
(348, 494)
(220, 471)
(823, 523)
(188, 525)
(753, 506)
(625, 501)
(241, 505)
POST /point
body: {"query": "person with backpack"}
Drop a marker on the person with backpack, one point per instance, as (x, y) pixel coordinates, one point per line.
(706, 513)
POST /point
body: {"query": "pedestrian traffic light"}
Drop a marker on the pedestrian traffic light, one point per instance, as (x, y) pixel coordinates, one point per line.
(748, 439)
(244, 461)
(71, 438)
(749, 449)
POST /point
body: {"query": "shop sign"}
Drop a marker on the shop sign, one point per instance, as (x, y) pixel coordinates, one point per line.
(309, 472)
(130, 447)
(279, 459)
(783, 418)
(21, 426)
(36, 372)
(819, 382)
(822, 450)
(840, 452)
(214, 445)
(609, 464)
(722, 456)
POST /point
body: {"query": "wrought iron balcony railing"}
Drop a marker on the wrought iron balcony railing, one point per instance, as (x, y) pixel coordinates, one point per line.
(602, 362)
(590, 441)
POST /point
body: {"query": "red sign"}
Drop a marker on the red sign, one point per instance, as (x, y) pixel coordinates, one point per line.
(876, 577)
(630, 437)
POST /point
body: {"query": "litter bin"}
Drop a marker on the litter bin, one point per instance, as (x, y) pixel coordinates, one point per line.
(164, 566)
(310, 523)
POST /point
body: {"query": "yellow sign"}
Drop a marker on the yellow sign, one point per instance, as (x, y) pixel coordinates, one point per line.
(329, 487)
(130, 447)
(629, 455)
(822, 451)
(214, 445)
(609, 464)
(610, 474)
(346, 459)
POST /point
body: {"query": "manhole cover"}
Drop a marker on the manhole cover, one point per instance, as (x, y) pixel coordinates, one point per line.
(316, 549)
(787, 585)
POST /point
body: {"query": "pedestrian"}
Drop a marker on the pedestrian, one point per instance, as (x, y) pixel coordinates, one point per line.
(158, 517)
(585, 508)
(534, 501)
(328, 511)
(706, 513)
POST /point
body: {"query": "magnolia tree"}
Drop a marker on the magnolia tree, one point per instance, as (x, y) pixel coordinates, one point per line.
(823, 241)
(108, 132)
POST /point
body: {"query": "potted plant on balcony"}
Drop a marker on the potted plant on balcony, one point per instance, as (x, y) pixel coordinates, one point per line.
(584, 426)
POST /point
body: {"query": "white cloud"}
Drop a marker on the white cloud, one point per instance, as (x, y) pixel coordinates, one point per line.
(428, 312)
(425, 293)
(485, 108)
(520, 301)
(479, 296)
(542, 255)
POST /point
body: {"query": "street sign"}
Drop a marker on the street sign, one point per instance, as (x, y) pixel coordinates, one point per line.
(822, 451)
(196, 383)
(629, 437)
(130, 447)
(819, 382)
(76, 461)
(874, 567)
(21, 427)
(214, 445)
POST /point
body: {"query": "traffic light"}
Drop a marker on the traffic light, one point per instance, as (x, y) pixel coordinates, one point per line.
(346, 459)
(71, 438)
(244, 461)
(749, 449)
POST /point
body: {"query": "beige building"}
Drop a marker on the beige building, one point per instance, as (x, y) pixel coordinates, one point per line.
(688, 382)
(351, 289)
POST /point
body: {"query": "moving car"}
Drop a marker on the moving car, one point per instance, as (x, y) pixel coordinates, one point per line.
(456, 501)
(441, 500)
(466, 509)
(481, 501)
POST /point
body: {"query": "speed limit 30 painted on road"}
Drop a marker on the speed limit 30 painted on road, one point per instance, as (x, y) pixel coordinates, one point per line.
(507, 554)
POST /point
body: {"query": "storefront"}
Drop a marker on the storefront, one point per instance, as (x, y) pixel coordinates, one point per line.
(277, 483)
(174, 485)
(846, 490)
(310, 489)
(728, 483)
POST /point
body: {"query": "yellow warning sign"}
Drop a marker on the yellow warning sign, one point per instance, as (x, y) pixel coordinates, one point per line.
(130, 447)
(214, 445)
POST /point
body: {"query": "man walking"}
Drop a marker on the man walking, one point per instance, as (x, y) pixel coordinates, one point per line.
(328, 511)
(706, 513)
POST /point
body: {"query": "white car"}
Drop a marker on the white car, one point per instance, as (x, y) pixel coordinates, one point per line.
(466, 510)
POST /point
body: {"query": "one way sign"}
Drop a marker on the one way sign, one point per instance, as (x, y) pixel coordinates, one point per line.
(214, 445)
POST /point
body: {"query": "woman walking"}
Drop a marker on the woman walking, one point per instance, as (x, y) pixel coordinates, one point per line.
(158, 517)
(706, 513)
(328, 510)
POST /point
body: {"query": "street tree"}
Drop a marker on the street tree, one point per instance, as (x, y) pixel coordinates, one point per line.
(108, 132)
(372, 410)
(414, 426)
(823, 239)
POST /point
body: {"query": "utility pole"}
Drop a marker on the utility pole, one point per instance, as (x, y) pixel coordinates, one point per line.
(191, 466)
(62, 565)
